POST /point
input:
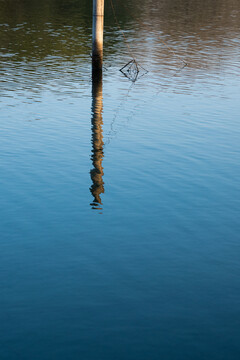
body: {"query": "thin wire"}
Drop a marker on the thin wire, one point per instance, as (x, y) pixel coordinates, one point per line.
(120, 106)
(120, 29)
(113, 132)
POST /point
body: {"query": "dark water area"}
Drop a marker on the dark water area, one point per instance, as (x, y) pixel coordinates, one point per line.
(120, 201)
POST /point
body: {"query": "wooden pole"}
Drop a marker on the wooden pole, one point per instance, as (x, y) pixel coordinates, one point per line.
(97, 37)
(97, 187)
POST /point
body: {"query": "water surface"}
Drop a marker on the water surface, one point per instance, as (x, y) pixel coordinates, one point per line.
(119, 203)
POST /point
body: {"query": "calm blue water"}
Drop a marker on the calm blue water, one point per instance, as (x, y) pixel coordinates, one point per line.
(119, 212)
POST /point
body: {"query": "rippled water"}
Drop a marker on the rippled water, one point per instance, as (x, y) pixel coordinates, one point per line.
(119, 204)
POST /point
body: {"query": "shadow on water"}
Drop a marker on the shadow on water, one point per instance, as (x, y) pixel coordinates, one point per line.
(96, 173)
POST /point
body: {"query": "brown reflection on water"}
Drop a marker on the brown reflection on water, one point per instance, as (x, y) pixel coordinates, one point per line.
(51, 37)
(96, 173)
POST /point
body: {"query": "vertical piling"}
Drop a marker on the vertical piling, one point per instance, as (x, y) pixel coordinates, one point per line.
(97, 37)
(97, 187)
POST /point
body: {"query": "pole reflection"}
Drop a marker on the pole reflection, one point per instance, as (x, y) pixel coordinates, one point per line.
(96, 173)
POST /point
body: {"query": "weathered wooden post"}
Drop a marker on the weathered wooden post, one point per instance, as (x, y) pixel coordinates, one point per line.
(97, 37)
(97, 187)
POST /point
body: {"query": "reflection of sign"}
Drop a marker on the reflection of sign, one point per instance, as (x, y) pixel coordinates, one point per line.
(132, 70)
(96, 173)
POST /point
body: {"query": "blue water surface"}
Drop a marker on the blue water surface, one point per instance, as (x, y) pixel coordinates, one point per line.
(150, 268)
